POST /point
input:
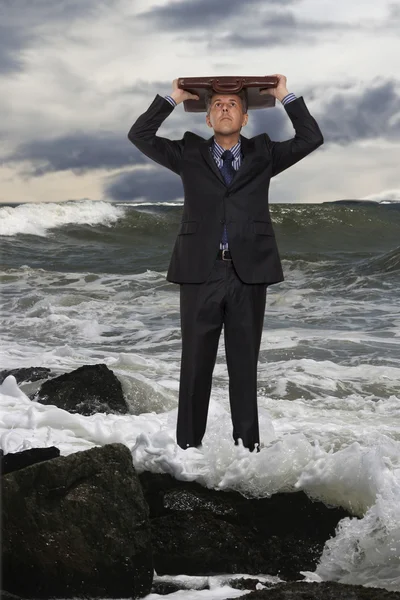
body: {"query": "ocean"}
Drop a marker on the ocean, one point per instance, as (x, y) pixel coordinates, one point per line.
(84, 283)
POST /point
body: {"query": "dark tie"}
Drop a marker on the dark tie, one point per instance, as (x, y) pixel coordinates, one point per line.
(228, 172)
(227, 169)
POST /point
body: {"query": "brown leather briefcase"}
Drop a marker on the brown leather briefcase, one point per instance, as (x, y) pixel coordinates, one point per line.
(228, 85)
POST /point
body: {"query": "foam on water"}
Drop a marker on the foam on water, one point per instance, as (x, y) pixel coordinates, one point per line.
(38, 219)
(217, 584)
(393, 194)
(149, 204)
(367, 551)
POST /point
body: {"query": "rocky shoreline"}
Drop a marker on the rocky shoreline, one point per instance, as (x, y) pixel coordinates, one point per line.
(88, 525)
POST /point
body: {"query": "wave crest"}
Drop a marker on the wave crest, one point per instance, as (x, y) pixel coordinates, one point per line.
(38, 219)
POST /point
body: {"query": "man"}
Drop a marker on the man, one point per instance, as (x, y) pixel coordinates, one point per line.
(225, 254)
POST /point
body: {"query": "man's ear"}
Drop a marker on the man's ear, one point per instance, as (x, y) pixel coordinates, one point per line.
(245, 119)
(208, 120)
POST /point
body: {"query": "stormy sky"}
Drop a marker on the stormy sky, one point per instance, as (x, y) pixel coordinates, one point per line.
(75, 74)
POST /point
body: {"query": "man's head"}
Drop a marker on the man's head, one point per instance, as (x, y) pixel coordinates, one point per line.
(226, 113)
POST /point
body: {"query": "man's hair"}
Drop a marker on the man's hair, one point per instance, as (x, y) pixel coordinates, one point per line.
(242, 95)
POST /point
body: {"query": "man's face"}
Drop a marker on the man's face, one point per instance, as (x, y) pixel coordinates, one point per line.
(226, 114)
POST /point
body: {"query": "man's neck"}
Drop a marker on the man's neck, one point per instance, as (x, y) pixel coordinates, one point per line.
(227, 141)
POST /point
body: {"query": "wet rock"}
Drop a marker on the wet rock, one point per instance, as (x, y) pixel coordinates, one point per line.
(7, 596)
(19, 460)
(198, 531)
(244, 583)
(165, 587)
(27, 374)
(322, 591)
(87, 390)
(77, 526)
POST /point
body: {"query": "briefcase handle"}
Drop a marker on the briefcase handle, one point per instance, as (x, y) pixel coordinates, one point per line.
(230, 87)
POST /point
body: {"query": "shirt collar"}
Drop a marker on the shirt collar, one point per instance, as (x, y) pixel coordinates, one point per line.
(217, 150)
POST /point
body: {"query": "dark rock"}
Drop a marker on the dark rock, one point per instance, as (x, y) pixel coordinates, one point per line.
(198, 531)
(7, 596)
(165, 587)
(244, 583)
(19, 460)
(169, 587)
(328, 590)
(87, 390)
(27, 374)
(198, 544)
(77, 526)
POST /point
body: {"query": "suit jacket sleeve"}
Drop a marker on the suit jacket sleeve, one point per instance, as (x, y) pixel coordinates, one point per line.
(142, 134)
(307, 138)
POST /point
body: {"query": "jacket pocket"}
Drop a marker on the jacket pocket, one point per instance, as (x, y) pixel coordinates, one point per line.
(187, 227)
(263, 228)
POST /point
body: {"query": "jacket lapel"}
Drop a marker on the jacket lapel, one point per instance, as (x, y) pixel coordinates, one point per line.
(248, 154)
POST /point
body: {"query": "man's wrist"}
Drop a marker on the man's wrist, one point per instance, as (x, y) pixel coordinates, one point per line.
(176, 96)
(288, 98)
(281, 94)
(171, 100)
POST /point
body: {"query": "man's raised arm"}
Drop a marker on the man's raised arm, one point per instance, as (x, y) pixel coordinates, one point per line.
(307, 137)
(142, 134)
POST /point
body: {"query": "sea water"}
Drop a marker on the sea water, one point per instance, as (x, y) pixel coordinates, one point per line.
(84, 283)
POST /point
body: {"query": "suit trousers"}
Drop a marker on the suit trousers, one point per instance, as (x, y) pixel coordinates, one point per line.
(223, 300)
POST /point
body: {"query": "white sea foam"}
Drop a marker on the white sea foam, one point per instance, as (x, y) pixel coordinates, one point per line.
(38, 219)
(367, 551)
(218, 586)
(133, 204)
(393, 194)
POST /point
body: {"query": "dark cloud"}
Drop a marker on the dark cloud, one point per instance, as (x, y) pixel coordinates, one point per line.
(196, 14)
(277, 29)
(78, 152)
(29, 13)
(11, 41)
(257, 40)
(252, 23)
(155, 185)
(367, 115)
(26, 22)
(394, 12)
(260, 23)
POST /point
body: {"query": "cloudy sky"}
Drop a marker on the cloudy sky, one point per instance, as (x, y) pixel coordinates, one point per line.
(75, 74)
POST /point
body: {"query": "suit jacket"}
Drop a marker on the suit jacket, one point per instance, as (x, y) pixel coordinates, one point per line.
(209, 202)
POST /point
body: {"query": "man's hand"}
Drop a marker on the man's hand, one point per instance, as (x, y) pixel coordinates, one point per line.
(280, 91)
(180, 95)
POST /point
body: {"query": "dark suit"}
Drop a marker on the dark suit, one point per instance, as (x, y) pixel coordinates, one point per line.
(233, 293)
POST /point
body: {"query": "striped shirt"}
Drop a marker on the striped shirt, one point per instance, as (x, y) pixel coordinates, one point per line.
(217, 151)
